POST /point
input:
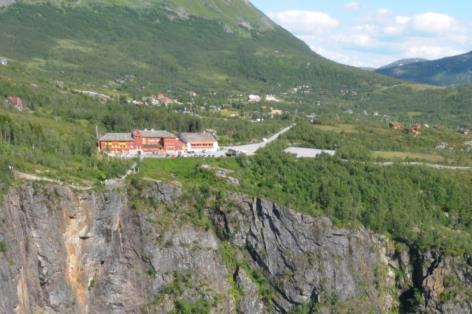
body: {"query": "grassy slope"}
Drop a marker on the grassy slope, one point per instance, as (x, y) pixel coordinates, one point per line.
(109, 42)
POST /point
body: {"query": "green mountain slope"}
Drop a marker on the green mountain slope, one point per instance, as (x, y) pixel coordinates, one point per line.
(180, 45)
(455, 70)
(402, 62)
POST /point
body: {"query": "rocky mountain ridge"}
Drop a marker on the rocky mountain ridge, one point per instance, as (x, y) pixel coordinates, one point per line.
(67, 251)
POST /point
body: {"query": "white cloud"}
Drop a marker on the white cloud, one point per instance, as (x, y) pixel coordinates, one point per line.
(352, 6)
(304, 22)
(379, 36)
(402, 20)
(431, 22)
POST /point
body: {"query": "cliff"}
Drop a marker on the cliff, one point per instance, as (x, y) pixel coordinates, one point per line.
(156, 247)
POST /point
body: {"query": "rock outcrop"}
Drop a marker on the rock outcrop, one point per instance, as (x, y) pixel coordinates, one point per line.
(113, 251)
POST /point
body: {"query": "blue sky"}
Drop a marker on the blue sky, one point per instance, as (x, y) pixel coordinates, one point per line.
(374, 33)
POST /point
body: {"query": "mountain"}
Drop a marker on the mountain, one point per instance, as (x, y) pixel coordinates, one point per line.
(143, 46)
(456, 70)
(402, 62)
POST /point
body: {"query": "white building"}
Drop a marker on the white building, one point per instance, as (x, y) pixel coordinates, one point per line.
(3, 61)
(254, 98)
(199, 142)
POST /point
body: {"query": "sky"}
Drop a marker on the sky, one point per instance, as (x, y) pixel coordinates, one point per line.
(370, 33)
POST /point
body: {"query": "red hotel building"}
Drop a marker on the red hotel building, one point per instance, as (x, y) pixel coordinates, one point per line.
(141, 142)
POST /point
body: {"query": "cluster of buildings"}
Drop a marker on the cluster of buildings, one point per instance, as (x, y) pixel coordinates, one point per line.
(154, 100)
(156, 143)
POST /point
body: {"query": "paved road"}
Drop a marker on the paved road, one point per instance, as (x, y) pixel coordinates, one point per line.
(251, 149)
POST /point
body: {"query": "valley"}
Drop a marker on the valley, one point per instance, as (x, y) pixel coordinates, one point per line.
(258, 220)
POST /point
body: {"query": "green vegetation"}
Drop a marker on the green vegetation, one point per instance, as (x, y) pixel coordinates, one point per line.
(3, 247)
(447, 71)
(374, 140)
(198, 307)
(416, 205)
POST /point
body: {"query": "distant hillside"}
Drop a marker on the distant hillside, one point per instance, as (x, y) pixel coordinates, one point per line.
(402, 62)
(449, 71)
(148, 45)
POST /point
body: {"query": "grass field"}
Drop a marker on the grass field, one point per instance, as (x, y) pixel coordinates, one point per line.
(339, 128)
(394, 156)
(183, 169)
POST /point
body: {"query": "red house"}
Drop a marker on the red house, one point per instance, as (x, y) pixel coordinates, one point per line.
(152, 141)
(14, 102)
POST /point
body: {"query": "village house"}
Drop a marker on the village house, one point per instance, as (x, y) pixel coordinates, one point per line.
(395, 125)
(199, 142)
(14, 102)
(3, 61)
(311, 117)
(254, 98)
(275, 112)
(416, 129)
(464, 131)
(165, 100)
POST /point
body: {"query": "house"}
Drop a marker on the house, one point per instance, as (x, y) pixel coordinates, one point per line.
(3, 61)
(199, 142)
(118, 143)
(395, 125)
(311, 117)
(14, 102)
(165, 100)
(415, 130)
(463, 130)
(158, 141)
(254, 98)
(275, 112)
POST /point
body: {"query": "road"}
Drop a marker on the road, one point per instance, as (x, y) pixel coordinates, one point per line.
(251, 149)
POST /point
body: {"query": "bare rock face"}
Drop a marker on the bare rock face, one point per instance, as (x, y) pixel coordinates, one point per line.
(307, 260)
(68, 251)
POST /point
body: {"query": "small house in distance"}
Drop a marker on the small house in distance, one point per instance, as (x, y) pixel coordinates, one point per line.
(395, 125)
(463, 130)
(14, 102)
(416, 129)
(254, 98)
(199, 142)
(3, 61)
(275, 112)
